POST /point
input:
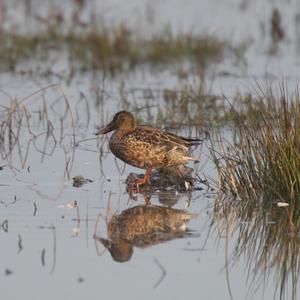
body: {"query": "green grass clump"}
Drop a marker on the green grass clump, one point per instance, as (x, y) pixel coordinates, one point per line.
(201, 50)
(108, 49)
(264, 163)
(258, 172)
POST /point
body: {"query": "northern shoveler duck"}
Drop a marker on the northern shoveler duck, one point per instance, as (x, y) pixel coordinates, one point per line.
(146, 147)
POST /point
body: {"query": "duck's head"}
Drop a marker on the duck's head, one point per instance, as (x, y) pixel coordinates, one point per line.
(120, 250)
(123, 120)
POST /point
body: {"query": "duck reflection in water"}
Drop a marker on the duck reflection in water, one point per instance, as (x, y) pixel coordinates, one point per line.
(143, 226)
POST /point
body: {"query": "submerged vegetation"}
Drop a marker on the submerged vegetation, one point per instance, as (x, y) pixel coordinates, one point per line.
(190, 106)
(93, 45)
(266, 238)
(29, 124)
(110, 50)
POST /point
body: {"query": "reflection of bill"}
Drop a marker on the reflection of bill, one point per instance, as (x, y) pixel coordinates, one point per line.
(143, 226)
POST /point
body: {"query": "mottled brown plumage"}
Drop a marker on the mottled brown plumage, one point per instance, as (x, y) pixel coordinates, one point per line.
(143, 226)
(144, 146)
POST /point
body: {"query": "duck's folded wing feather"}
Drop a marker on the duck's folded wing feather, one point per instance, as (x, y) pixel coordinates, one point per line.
(161, 138)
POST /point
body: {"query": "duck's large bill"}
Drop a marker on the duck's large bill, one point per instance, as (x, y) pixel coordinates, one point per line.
(109, 127)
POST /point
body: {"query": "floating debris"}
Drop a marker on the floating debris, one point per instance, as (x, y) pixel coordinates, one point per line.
(282, 204)
(20, 244)
(8, 272)
(71, 205)
(68, 205)
(43, 257)
(80, 280)
(4, 225)
(79, 180)
(76, 230)
(35, 209)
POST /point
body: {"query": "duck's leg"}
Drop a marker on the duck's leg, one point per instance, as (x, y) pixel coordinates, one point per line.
(145, 179)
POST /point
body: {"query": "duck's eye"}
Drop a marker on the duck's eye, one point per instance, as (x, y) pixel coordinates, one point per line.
(117, 118)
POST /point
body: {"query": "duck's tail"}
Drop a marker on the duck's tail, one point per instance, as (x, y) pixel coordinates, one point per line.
(192, 142)
(189, 142)
(187, 158)
(195, 141)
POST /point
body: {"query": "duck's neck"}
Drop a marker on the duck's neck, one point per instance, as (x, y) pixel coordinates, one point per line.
(121, 132)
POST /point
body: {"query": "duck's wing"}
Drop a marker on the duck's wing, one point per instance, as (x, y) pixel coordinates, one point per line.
(162, 138)
(188, 142)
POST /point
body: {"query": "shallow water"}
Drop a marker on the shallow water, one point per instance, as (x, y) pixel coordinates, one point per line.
(48, 248)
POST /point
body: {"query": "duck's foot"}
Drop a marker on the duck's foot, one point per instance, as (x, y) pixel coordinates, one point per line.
(143, 181)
